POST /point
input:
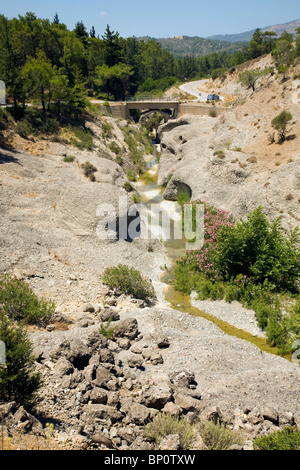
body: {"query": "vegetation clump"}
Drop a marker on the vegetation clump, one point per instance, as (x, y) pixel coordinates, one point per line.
(129, 281)
(285, 439)
(89, 170)
(19, 381)
(19, 302)
(251, 261)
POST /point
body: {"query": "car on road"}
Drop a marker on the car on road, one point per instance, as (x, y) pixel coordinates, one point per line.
(213, 97)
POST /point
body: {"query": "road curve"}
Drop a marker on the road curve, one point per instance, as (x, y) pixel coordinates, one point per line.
(194, 88)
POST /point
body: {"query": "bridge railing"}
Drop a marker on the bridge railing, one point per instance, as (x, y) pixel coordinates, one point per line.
(150, 98)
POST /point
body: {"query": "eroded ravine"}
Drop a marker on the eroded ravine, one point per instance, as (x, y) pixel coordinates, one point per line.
(151, 193)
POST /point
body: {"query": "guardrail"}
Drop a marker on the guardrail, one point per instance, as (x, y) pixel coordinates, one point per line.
(151, 98)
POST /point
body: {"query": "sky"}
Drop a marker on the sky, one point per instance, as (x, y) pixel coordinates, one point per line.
(161, 18)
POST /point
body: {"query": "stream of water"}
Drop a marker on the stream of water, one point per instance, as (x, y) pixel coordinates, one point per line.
(151, 194)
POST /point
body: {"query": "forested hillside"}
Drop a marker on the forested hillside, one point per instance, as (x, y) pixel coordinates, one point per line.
(44, 61)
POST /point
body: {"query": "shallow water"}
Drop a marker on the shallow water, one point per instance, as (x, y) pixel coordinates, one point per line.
(152, 194)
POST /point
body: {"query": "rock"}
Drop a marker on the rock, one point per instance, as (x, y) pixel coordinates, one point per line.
(172, 409)
(103, 377)
(137, 413)
(212, 413)
(182, 379)
(123, 343)
(60, 318)
(27, 422)
(171, 442)
(98, 396)
(109, 314)
(74, 351)
(136, 349)
(163, 342)
(101, 438)
(88, 308)
(271, 415)
(7, 408)
(135, 362)
(111, 301)
(127, 328)
(198, 443)
(95, 411)
(63, 367)
(157, 396)
(95, 341)
(187, 403)
(106, 356)
(156, 358)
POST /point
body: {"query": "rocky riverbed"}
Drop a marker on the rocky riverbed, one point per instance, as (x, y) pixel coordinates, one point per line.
(99, 393)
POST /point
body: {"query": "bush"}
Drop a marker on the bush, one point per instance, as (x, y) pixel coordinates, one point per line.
(105, 329)
(217, 437)
(131, 176)
(286, 439)
(69, 159)
(83, 138)
(280, 124)
(89, 170)
(129, 281)
(128, 187)
(24, 129)
(260, 250)
(18, 380)
(164, 425)
(20, 303)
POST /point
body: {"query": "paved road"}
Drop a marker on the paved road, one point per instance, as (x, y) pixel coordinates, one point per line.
(194, 88)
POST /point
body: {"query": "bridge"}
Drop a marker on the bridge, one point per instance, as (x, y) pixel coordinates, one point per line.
(122, 110)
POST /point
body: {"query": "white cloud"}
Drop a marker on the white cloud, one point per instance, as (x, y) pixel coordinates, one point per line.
(103, 14)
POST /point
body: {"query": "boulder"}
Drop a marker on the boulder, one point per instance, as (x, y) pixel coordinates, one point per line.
(99, 411)
(98, 396)
(157, 396)
(75, 351)
(127, 329)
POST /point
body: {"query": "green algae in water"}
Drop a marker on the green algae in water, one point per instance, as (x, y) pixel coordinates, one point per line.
(182, 302)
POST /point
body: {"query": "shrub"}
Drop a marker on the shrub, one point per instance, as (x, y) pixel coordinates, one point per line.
(131, 176)
(20, 303)
(83, 138)
(69, 159)
(217, 437)
(260, 250)
(115, 148)
(89, 170)
(18, 380)
(129, 281)
(280, 124)
(105, 329)
(128, 188)
(286, 439)
(24, 129)
(164, 425)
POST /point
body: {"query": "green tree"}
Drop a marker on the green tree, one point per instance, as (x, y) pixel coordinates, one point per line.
(37, 75)
(280, 124)
(60, 91)
(269, 38)
(19, 381)
(298, 42)
(112, 49)
(114, 78)
(283, 53)
(250, 77)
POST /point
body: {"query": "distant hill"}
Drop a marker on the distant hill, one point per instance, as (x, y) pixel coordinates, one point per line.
(182, 46)
(247, 36)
